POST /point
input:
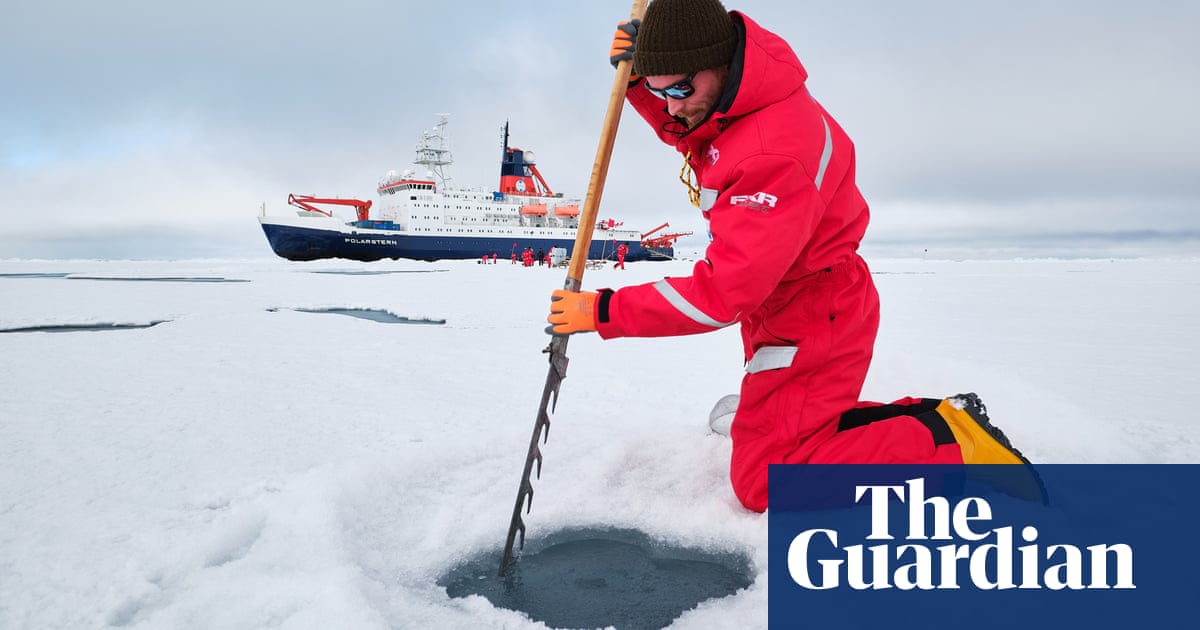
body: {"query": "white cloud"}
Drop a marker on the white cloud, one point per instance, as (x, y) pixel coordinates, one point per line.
(135, 114)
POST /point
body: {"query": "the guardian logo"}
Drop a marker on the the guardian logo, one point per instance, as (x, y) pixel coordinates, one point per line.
(982, 547)
(949, 546)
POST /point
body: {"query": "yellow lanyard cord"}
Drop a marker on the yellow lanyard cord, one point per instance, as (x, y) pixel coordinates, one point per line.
(686, 176)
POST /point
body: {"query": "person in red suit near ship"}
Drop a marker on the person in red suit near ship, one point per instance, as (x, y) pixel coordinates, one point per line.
(622, 249)
(775, 179)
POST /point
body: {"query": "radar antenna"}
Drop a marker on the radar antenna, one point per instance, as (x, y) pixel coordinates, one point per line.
(432, 151)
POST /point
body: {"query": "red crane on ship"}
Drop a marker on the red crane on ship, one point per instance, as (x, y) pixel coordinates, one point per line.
(305, 202)
(662, 240)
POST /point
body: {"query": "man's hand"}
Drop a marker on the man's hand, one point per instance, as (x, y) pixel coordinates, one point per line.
(624, 42)
(571, 312)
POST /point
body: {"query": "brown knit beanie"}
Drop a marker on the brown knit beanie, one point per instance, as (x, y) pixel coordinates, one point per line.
(682, 36)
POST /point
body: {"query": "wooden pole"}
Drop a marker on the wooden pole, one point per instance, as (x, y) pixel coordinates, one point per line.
(608, 136)
(558, 343)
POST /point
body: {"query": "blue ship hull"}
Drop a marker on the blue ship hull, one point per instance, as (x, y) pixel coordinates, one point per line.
(302, 243)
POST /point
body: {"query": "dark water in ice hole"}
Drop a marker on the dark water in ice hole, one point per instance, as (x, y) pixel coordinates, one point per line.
(593, 578)
(374, 315)
(79, 327)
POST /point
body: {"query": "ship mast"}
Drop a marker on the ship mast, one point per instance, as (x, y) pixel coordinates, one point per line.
(432, 152)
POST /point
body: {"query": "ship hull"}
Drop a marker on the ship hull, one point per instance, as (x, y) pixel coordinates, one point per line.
(294, 241)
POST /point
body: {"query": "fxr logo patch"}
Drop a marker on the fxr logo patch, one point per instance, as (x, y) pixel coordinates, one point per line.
(760, 201)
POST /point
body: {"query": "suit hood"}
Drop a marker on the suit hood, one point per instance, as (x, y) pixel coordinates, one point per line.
(764, 70)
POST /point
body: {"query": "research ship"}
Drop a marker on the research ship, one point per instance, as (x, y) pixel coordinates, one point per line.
(423, 218)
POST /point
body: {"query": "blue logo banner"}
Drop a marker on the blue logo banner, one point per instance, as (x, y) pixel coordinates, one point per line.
(975, 547)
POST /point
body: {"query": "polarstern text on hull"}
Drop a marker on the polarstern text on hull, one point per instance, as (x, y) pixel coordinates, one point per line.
(423, 218)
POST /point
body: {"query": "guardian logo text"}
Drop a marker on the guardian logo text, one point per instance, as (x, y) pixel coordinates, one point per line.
(982, 547)
(949, 544)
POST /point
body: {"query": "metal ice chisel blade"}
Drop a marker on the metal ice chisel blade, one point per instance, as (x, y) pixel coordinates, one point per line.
(541, 430)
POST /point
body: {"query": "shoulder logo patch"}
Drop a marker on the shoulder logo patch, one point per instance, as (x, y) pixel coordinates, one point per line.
(760, 201)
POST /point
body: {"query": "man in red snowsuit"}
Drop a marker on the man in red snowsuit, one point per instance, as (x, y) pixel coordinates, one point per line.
(775, 179)
(622, 249)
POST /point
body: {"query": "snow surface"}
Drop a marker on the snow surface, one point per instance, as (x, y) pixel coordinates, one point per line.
(249, 465)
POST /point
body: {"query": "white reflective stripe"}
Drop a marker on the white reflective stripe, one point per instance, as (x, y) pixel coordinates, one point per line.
(708, 198)
(683, 306)
(771, 358)
(826, 153)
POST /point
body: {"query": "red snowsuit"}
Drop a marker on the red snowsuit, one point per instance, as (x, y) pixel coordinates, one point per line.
(776, 174)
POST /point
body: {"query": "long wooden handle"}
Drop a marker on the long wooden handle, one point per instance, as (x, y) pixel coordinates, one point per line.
(558, 344)
(608, 136)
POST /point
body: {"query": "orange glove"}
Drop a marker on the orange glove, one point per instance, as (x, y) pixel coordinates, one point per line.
(571, 312)
(624, 42)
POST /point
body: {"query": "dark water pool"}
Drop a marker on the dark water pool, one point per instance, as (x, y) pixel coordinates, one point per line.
(375, 315)
(79, 327)
(593, 578)
(198, 279)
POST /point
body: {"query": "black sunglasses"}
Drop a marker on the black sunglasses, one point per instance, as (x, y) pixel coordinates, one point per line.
(681, 89)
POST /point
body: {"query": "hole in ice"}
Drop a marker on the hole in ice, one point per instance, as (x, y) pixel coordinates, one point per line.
(375, 315)
(591, 577)
(80, 327)
(375, 272)
(156, 278)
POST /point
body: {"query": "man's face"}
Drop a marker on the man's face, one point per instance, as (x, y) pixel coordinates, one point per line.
(706, 85)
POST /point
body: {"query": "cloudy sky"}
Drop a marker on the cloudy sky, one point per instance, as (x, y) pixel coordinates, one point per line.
(136, 129)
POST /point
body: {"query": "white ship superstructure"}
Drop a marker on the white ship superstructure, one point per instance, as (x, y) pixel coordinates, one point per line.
(425, 218)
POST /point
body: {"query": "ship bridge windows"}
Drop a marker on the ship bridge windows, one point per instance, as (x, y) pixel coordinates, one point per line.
(391, 190)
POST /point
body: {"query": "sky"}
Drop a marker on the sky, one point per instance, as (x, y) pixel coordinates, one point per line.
(248, 464)
(137, 129)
